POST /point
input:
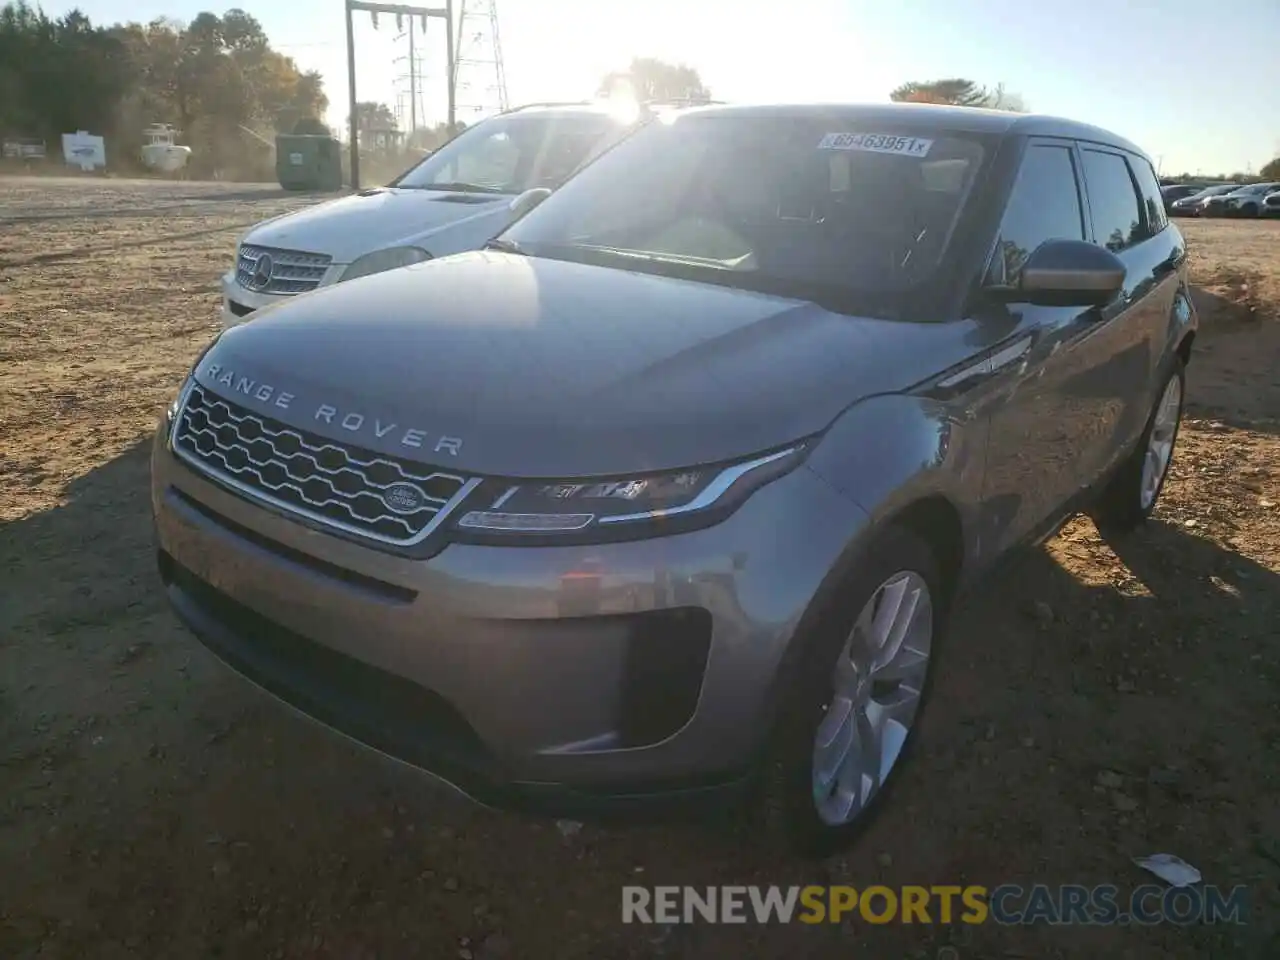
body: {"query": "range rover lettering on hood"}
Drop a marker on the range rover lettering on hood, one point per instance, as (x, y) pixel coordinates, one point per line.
(353, 421)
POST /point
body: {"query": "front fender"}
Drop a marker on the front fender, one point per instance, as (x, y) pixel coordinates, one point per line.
(891, 451)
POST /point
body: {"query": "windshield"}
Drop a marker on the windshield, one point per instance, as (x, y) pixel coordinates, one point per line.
(806, 207)
(513, 153)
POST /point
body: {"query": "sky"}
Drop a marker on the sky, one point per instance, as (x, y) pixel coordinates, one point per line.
(1193, 85)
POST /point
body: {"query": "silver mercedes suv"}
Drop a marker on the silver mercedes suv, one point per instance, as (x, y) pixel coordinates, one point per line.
(664, 498)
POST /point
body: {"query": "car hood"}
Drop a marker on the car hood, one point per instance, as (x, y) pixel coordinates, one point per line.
(507, 365)
(352, 226)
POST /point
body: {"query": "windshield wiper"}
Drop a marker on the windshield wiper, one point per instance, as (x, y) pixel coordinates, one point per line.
(460, 187)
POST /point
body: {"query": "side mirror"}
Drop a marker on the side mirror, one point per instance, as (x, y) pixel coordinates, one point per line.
(528, 200)
(1067, 273)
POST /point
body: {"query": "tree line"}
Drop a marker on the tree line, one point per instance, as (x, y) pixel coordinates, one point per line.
(212, 78)
(217, 76)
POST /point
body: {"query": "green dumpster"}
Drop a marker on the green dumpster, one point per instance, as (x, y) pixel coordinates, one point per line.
(308, 162)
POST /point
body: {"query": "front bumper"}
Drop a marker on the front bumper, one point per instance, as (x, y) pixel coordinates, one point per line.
(239, 304)
(571, 681)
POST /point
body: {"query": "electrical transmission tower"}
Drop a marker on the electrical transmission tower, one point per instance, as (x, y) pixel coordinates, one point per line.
(478, 76)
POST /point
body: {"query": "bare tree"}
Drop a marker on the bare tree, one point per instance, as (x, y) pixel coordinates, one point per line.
(651, 79)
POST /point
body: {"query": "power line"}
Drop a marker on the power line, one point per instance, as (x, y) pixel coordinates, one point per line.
(399, 11)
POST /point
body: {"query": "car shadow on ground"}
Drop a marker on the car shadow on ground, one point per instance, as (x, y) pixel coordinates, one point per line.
(1098, 700)
(168, 207)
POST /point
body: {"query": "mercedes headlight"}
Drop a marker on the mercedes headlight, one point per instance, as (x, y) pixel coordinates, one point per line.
(388, 259)
(621, 506)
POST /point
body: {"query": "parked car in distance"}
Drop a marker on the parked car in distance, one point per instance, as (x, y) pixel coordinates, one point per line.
(452, 200)
(1190, 206)
(1271, 205)
(1178, 191)
(1244, 201)
(664, 498)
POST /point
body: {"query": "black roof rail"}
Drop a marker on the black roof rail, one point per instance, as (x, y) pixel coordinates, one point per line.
(683, 102)
(549, 103)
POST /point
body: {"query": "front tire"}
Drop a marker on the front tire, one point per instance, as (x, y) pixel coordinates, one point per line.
(1131, 496)
(855, 691)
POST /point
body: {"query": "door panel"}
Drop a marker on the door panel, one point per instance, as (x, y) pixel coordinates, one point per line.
(1081, 400)
(1043, 410)
(1046, 423)
(1124, 198)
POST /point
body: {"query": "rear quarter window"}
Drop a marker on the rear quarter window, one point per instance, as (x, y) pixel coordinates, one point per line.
(1149, 190)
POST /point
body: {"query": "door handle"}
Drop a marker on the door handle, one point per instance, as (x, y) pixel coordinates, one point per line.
(1111, 309)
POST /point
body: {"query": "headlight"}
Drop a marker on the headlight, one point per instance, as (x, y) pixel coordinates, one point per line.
(171, 412)
(598, 509)
(388, 259)
(189, 381)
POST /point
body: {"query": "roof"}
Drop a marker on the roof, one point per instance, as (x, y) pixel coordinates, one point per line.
(933, 117)
(584, 108)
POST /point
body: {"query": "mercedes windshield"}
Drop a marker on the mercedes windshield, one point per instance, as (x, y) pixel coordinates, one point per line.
(515, 152)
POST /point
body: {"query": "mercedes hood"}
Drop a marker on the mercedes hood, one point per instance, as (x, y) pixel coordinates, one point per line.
(349, 227)
(513, 366)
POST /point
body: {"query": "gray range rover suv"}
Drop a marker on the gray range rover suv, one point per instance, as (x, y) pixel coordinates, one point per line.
(664, 497)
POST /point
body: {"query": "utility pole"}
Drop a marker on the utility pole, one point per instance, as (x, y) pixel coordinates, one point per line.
(395, 9)
(353, 128)
(451, 85)
(414, 79)
(413, 85)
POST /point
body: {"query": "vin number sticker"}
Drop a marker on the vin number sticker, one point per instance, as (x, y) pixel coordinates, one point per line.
(876, 143)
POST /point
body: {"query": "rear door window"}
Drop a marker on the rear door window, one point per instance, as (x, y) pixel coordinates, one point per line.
(1113, 201)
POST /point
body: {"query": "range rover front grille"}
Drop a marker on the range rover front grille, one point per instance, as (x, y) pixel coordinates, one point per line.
(358, 491)
(268, 270)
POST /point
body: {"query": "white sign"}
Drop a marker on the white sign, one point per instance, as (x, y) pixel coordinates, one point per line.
(295, 159)
(84, 150)
(876, 143)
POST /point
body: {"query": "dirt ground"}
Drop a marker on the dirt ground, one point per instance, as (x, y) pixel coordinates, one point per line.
(1101, 701)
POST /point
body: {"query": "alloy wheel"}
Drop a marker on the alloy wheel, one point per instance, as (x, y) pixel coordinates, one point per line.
(877, 686)
(1164, 430)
